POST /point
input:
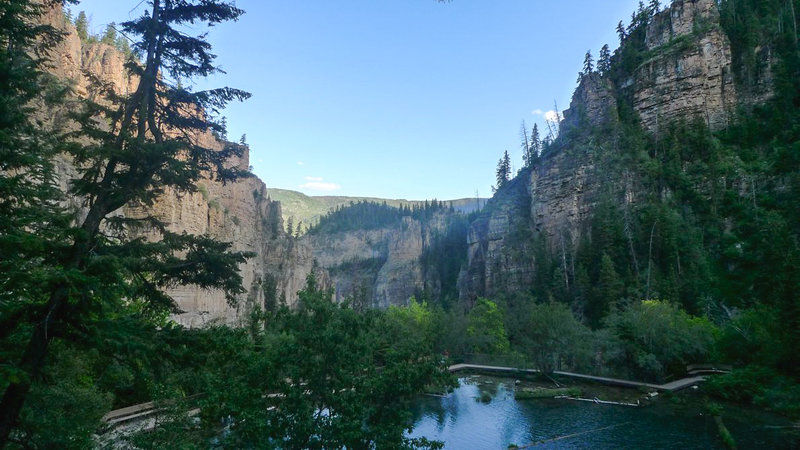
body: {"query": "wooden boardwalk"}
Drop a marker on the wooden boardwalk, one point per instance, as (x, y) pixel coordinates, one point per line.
(140, 417)
(668, 387)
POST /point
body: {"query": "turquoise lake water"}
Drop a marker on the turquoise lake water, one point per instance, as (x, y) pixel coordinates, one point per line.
(462, 422)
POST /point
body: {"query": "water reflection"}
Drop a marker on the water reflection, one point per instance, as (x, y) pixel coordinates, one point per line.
(463, 421)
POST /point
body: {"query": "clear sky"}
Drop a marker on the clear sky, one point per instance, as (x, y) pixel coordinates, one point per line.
(394, 98)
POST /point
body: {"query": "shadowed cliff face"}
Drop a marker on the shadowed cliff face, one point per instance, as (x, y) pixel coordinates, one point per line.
(382, 266)
(239, 212)
(686, 74)
(690, 72)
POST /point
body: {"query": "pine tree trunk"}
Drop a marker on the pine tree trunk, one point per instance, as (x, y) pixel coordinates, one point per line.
(34, 357)
(32, 362)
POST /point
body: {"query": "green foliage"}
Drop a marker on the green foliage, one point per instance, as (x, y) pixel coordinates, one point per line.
(336, 378)
(368, 215)
(101, 270)
(64, 410)
(110, 35)
(660, 339)
(485, 328)
(82, 26)
(757, 385)
(553, 338)
(503, 172)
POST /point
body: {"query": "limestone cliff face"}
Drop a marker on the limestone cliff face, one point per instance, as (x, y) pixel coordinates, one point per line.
(497, 253)
(383, 265)
(689, 74)
(240, 212)
(593, 105)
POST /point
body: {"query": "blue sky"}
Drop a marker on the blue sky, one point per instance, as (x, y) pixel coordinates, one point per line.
(394, 98)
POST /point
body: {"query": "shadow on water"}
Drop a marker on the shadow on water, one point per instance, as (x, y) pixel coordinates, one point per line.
(467, 419)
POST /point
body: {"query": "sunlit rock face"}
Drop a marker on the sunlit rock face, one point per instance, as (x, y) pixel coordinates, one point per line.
(240, 212)
(690, 73)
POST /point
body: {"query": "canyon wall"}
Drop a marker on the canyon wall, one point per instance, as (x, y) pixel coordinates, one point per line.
(689, 73)
(240, 213)
(383, 265)
(686, 73)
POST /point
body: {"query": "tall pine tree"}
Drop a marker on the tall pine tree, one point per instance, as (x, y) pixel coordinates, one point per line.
(503, 170)
(152, 146)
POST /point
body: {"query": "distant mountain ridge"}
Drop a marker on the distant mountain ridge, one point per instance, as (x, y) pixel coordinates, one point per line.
(306, 210)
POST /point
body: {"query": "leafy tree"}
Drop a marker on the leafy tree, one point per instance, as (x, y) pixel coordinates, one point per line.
(659, 339)
(554, 338)
(65, 411)
(486, 328)
(336, 377)
(150, 147)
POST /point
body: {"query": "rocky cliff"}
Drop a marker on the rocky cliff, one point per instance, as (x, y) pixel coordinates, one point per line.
(239, 212)
(689, 72)
(685, 72)
(382, 266)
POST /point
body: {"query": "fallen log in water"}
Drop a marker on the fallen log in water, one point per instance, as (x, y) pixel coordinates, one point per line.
(598, 401)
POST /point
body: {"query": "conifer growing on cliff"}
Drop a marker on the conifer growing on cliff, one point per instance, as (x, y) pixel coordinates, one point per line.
(152, 146)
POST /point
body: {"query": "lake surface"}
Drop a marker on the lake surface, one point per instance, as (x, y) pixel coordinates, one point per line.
(461, 421)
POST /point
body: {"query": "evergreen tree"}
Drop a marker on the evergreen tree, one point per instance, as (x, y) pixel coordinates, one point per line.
(655, 7)
(536, 142)
(534, 147)
(290, 225)
(641, 11)
(104, 267)
(33, 226)
(122, 44)
(82, 25)
(607, 291)
(503, 170)
(621, 32)
(588, 63)
(604, 63)
(110, 35)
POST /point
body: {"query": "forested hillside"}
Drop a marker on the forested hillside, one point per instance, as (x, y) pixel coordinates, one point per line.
(656, 226)
(673, 234)
(303, 211)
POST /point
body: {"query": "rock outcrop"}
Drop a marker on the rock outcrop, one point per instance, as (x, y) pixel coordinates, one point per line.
(689, 73)
(383, 265)
(498, 258)
(239, 212)
(593, 105)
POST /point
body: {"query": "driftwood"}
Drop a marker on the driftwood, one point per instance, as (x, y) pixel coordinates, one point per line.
(598, 401)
